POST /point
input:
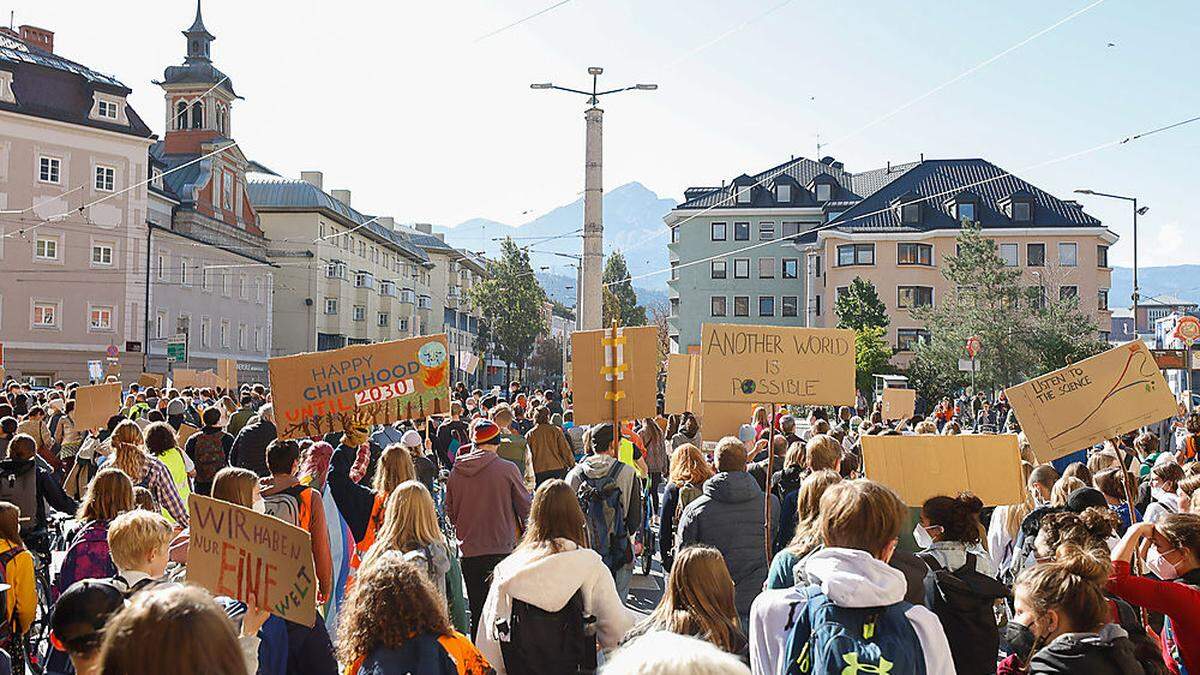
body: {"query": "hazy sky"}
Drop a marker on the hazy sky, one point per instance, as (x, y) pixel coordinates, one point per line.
(400, 103)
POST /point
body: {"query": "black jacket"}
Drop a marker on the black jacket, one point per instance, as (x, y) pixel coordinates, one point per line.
(49, 491)
(354, 501)
(250, 447)
(1108, 652)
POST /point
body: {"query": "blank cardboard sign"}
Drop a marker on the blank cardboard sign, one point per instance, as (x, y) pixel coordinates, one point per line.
(780, 364)
(920, 467)
(638, 387)
(899, 404)
(95, 403)
(683, 384)
(1092, 400)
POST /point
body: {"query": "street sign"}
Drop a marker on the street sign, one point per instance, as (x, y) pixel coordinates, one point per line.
(974, 344)
(95, 370)
(1170, 359)
(177, 348)
(112, 352)
(968, 366)
(1187, 329)
(133, 346)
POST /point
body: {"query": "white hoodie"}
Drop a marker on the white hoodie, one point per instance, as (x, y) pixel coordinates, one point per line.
(548, 583)
(850, 578)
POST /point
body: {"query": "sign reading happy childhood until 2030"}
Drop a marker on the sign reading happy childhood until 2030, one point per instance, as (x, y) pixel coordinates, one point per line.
(777, 364)
(361, 385)
(1092, 400)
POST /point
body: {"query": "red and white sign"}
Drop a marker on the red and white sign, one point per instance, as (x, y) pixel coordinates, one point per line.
(1187, 329)
(974, 344)
(384, 392)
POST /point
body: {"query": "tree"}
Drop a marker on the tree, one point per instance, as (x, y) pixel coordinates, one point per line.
(547, 361)
(859, 306)
(658, 315)
(620, 300)
(511, 301)
(872, 355)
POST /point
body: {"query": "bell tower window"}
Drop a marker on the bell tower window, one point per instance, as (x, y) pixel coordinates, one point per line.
(198, 115)
(181, 115)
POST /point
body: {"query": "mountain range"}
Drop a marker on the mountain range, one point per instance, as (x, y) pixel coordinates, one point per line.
(1182, 281)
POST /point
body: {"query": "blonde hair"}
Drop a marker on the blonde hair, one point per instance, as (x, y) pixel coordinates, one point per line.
(395, 467)
(808, 512)
(502, 415)
(1063, 489)
(698, 600)
(177, 629)
(823, 452)
(135, 535)
(925, 427)
(1015, 514)
(796, 454)
(235, 485)
(760, 416)
(129, 450)
(689, 466)
(409, 522)
(108, 495)
(861, 514)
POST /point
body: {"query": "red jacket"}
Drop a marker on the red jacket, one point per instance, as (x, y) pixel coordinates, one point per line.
(1179, 601)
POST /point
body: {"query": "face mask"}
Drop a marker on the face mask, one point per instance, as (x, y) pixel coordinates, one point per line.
(1019, 639)
(259, 505)
(1161, 567)
(922, 537)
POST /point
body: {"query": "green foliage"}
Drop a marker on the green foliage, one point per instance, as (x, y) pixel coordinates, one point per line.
(1026, 329)
(620, 300)
(860, 307)
(511, 302)
(872, 355)
(547, 360)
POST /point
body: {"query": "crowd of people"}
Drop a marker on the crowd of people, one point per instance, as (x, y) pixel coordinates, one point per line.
(504, 538)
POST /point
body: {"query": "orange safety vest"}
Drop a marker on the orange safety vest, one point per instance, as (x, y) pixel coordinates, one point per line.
(373, 524)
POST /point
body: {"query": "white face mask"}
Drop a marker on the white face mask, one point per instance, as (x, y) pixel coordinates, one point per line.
(259, 505)
(922, 536)
(1161, 567)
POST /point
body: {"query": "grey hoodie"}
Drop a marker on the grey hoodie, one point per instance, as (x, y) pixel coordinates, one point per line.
(434, 560)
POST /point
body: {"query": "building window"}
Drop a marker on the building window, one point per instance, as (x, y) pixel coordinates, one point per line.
(1068, 254)
(1101, 256)
(50, 170)
(839, 292)
(242, 337)
(364, 280)
(744, 193)
(783, 193)
(741, 305)
(766, 268)
(181, 115)
(205, 325)
(383, 320)
(674, 305)
(161, 266)
(909, 297)
(197, 115)
(719, 269)
(718, 232)
(156, 175)
(360, 313)
(387, 288)
(791, 268)
(184, 279)
(965, 212)
(106, 178)
(789, 305)
(741, 268)
(674, 270)
(223, 335)
(907, 339)
(741, 231)
(1037, 297)
(336, 270)
(46, 249)
(1068, 292)
(910, 213)
(914, 254)
(766, 231)
(1102, 301)
(404, 325)
(817, 265)
(45, 315)
(1022, 211)
(1035, 255)
(331, 306)
(824, 192)
(674, 235)
(1010, 254)
(817, 304)
(102, 254)
(789, 229)
(766, 305)
(258, 339)
(718, 305)
(106, 109)
(100, 318)
(856, 254)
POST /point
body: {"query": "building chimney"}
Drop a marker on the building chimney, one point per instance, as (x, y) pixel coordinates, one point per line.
(342, 196)
(424, 227)
(441, 236)
(387, 221)
(38, 37)
(313, 178)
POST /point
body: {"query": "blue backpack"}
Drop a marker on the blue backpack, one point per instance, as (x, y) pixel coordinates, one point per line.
(826, 639)
(600, 499)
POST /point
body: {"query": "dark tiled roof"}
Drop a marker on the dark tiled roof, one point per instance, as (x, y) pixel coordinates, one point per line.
(179, 184)
(868, 183)
(47, 85)
(267, 192)
(801, 169)
(946, 178)
(427, 241)
(198, 73)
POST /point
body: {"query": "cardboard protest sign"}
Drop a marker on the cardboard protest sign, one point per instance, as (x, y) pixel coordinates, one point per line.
(237, 552)
(227, 373)
(185, 432)
(151, 380)
(378, 383)
(781, 364)
(920, 467)
(181, 378)
(95, 403)
(683, 384)
(899, 404)
(1092, 400)
(718, 420)
(633, 362)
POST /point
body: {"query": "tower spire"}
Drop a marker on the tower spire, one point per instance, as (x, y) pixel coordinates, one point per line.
(198, 39)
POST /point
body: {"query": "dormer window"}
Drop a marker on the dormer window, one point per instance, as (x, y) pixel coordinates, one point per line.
(107, 109)
(783, 193)
(824, 192)
(910, 213)
(1022, 211)
(965, 212)
(744, 192)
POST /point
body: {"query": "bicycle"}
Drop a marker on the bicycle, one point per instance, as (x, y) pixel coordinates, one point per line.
(646, 534)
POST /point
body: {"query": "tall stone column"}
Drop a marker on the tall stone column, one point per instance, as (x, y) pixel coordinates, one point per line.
(591, 295)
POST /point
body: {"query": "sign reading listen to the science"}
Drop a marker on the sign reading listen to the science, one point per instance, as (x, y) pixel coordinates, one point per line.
(778, 364)
(360, 385)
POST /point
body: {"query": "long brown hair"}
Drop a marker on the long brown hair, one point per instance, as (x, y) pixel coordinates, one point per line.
(108, 495)
(235, 486)
(553, 515)
(395, 466)
(409, 522)
(175, 629)
(392, 602)
(699, 600)
(129, 450)
(1072, 583)
(689, 466)
(808, 512)
(10, 523)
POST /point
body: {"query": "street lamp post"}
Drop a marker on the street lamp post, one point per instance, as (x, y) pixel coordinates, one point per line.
(593, 195)
(1136, 212)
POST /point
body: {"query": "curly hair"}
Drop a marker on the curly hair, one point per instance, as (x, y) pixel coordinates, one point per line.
(957, 516)
(392, 602)
(1087, 530)
(1073, 584)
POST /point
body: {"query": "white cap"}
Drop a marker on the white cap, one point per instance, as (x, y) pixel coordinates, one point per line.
(411, 439)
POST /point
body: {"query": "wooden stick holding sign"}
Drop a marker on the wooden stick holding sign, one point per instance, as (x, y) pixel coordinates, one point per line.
(614, 369)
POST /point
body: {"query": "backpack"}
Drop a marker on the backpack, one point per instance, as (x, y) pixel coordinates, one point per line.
(208, 453)
(7, 634)
(293, 505)
(21, 489)
(830, 640)
(81, 474)
(533, 640)
(964, 602)
(687, 494)
(600, 499)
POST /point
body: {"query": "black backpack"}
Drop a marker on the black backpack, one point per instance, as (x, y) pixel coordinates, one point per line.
(964, 602)
(536, 641)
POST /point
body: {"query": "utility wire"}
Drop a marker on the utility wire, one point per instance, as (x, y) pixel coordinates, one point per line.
(518, 22)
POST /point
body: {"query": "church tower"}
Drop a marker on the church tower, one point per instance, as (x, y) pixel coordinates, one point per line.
(199, 97)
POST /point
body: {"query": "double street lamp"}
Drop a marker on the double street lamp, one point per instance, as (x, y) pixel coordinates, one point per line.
(1136, 212)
